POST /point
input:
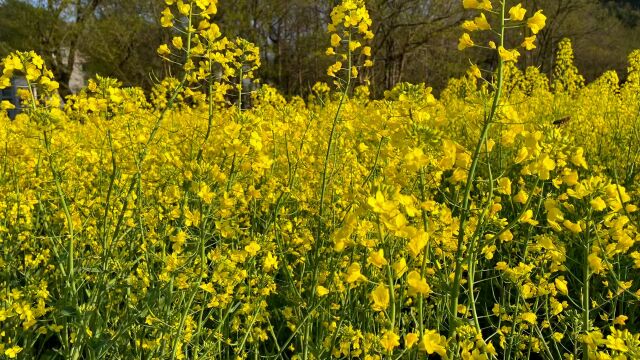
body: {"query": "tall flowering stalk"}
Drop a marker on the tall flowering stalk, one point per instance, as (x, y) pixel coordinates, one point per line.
(503, 20)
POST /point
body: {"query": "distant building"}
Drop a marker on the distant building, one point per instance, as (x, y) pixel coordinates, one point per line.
(10, 94)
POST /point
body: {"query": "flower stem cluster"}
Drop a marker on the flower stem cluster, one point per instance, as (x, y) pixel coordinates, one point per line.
(350, 31)
(515, 20)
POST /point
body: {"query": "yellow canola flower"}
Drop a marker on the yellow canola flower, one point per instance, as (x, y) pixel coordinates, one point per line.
(469, 25)
(573, 227)
(410, 339)
(321, 290)
(516, 13)
(470, 4)
(476, 4)
(578, 159)
(390, 340)
(333, 69)
(335, 40)
(12, 352)
(379, 205)
(561, 285)
(417, 243)
(537, 22)
(353, 274)
(6, 105)
(167, 18)
(474, 71)
(620, 320)
(270, 262)
(616, 344)
(183, 8)
(529, 317)
(595, 263)
(380, 297)
(354, 45)
(432, 342)
(177, 42)
(465, 42)
(202, 4)
(376, 258)
(527, 217)
(506, 236)
(400, 267)
(528, 43)
(504, 186)
(598, 204)
(163, 50)
(417, 285)
(252, 249)
(482, 23)
(508, 55)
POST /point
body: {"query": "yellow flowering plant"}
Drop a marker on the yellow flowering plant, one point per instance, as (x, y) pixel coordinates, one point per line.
(498, 219)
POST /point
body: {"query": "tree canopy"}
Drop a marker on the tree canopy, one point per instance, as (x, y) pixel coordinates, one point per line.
(415, 39)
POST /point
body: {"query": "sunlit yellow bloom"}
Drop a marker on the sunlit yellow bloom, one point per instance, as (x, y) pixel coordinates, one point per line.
(270, 262)
(335, 40)
(528, 42)
(504, 186)
(573, 227)
(417, 285)
(620, 320)
(616, 343)
(508, 55)
(482, 23)
(252, 249)
(380, 297)
(529, 317)
(321, 290)
(595, 263)
(432, 342)
(506, 236)
(465, 41)
(537, 22)
(410, 339)
(598, 204)
(561, 285)
(516, 13)
(527, 217)
(183, 8)
(163, 50)
(400, 267)
(353, 274)
(12, 352)
(6, 105)
(390, 340)
(177, 42)
(471, 4)
(474, 71)
(417, 243)
(376, 258)
(469, 25)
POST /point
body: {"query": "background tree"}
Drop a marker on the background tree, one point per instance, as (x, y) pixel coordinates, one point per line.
(415, 40)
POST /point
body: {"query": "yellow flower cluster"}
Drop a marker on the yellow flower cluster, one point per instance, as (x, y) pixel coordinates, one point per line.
(515, 19)
(349, 31)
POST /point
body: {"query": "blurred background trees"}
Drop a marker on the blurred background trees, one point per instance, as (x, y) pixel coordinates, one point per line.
(415, 40)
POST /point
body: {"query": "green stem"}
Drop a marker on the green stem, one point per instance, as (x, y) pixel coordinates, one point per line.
(465, 212)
